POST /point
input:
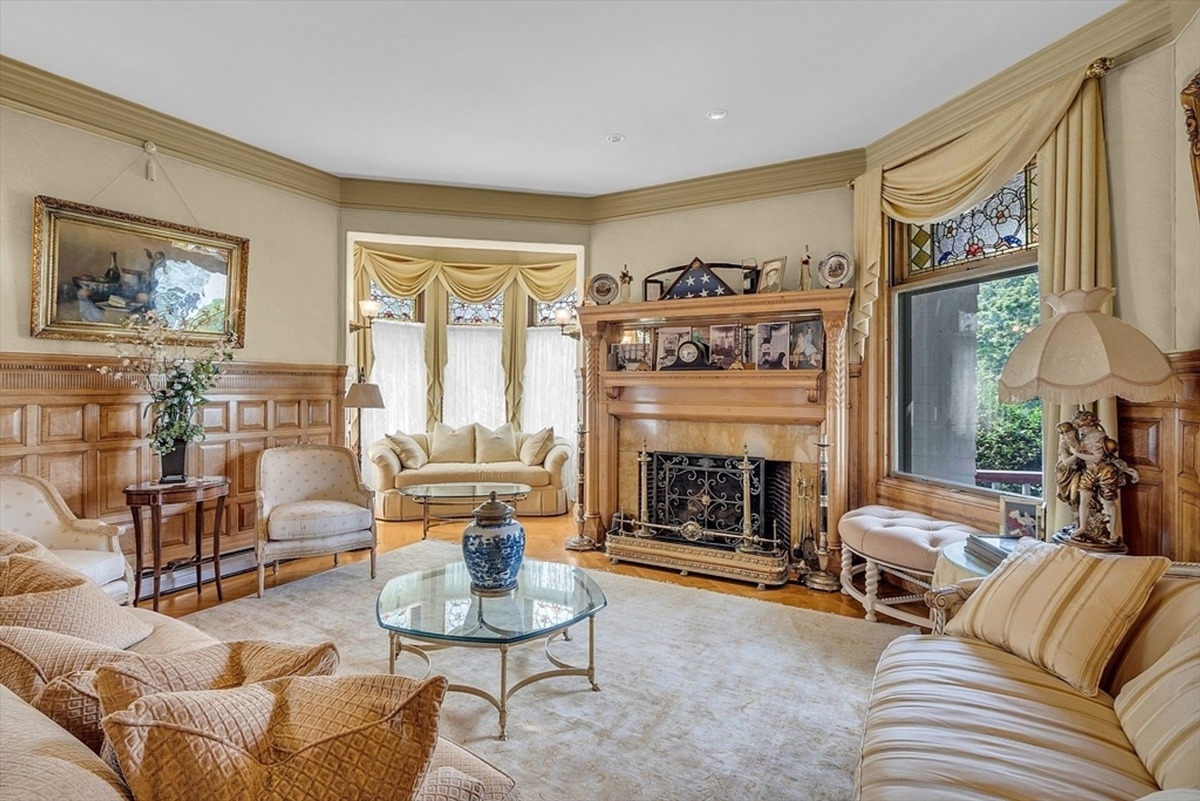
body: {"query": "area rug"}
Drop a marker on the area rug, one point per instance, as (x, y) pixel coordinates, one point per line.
(704, 696)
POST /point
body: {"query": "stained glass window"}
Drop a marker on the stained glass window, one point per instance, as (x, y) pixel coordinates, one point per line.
(392, 307)
(1006, 221)
(489, 312)
(543, 313)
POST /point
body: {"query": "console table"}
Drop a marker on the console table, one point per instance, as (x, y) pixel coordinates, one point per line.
(195, 490)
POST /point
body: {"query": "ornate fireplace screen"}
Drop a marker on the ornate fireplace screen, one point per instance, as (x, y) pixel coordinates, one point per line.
(702, 499)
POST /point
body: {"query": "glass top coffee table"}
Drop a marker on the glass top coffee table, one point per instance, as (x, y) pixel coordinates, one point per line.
(460, 492)
(437, 609)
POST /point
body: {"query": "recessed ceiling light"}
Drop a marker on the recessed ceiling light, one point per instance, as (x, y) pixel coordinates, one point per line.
(614, 138)
(717, 114)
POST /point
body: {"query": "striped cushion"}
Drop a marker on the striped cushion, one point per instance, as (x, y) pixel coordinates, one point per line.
(1150, 708)
(1060, 607)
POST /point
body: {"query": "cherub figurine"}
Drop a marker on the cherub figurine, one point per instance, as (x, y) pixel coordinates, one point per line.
(1089, 473)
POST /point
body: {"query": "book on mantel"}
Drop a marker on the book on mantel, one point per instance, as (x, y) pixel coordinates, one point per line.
(990, 550)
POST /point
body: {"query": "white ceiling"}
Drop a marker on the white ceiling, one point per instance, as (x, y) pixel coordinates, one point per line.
(523, 95)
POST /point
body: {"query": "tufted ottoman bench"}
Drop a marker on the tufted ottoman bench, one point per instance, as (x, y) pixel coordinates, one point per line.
(901, 543)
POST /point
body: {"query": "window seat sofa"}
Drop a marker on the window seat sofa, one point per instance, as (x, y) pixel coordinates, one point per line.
(470, 453)
(957, 717)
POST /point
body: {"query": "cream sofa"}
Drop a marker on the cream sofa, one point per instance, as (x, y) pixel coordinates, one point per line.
(43, 762)
(546, 477)
(957, 718)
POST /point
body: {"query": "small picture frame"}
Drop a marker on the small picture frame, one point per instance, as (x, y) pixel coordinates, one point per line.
(1022, 517)
(771, 275)
(725, 345)
(668, 341)
(774, 342)
(808, 345)
(652, 289)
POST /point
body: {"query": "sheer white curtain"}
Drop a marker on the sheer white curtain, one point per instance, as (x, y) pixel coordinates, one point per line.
(550, 388)
(399, 370)
(474, 379)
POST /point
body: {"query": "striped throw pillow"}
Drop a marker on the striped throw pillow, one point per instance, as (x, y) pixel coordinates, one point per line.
(1152, 711)
(1061, 608)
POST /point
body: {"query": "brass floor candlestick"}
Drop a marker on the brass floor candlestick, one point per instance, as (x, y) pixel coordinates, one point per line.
(822, 579)
(581, 541)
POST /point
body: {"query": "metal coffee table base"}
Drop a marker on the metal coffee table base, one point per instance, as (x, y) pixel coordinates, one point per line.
(396, 647)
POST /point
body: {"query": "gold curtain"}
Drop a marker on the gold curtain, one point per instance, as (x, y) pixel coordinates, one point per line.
(1075, 244)
(407, 276)
(944, 180)
(1063, 125)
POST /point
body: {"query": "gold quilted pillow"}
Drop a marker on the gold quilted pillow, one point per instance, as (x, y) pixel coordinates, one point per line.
(40, 594)
(321, 738)
(213, 667)
(1061, 608)
(412, 456)
(495, 446)
(448, 444)
(536, 446)
(11, 543)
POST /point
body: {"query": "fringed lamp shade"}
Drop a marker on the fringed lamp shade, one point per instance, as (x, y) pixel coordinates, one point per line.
(1082, 354)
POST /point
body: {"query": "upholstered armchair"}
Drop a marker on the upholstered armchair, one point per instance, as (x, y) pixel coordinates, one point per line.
(311, 502)
(32, 507)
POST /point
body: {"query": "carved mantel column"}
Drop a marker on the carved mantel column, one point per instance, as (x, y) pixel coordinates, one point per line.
(593, 362)
(837, 415)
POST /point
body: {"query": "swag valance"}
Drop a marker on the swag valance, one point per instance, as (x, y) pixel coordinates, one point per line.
(407, 276)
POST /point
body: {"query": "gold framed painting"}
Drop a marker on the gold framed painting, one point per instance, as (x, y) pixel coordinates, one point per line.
(95, 271)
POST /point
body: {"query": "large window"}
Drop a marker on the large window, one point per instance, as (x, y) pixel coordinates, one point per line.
(953, 335)
(474, 378)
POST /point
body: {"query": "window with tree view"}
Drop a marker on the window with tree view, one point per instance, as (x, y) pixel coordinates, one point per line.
(953, 337)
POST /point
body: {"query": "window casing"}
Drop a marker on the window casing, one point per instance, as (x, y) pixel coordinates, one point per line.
(957, 316)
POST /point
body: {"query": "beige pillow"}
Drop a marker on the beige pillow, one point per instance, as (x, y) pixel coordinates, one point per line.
(448, 444)
(1059, 607)
(495, 446)
(412, 456)
(29, 658)
(536, 446)
(320, 738)
(1152, 709)
(11, 543)
(448, 783)
(40, 594)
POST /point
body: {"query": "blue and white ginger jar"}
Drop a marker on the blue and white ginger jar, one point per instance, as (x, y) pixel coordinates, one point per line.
(493, 547)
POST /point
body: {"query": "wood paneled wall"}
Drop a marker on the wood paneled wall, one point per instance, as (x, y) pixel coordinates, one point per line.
(86, 433)
(1161, 513)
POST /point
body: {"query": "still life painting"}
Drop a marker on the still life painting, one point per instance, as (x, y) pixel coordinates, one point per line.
(96, 272)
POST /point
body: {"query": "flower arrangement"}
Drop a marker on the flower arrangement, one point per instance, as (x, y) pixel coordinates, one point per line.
(156, 360)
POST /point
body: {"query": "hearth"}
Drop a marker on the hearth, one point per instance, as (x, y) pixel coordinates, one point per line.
(712, 513)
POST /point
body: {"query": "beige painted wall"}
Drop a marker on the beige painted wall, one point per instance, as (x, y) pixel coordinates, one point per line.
(759, 229)
(1187, 201)
(1156, 230)
(294, 286)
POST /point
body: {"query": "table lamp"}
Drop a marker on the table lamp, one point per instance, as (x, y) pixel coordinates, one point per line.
(1078, 356)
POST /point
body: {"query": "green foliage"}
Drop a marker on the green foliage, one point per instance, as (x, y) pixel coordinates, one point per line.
(1008, 436)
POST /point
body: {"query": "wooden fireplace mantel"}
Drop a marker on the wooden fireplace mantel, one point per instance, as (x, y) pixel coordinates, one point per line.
(787, 397)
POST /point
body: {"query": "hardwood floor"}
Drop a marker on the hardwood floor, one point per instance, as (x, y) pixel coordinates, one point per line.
(544, 538)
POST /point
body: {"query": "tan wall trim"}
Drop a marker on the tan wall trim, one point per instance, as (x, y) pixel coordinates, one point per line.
(1123, 34)
(44, 94)
(412, 198)
(773, 180)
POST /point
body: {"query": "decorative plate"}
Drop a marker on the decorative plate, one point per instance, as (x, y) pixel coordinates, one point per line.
(834, 271)
(603, 289)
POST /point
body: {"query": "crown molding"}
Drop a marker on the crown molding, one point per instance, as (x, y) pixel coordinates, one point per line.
(357, 193)
(1124, 33)
(47, 95)
(787, 178)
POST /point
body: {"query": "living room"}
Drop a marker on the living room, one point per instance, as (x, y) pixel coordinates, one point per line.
(61, 138)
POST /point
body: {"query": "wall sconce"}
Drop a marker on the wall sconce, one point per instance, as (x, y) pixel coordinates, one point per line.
(565, 326)
(369, 309)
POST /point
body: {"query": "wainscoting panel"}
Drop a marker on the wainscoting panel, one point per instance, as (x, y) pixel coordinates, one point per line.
(85, 433)
(1160, 514)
